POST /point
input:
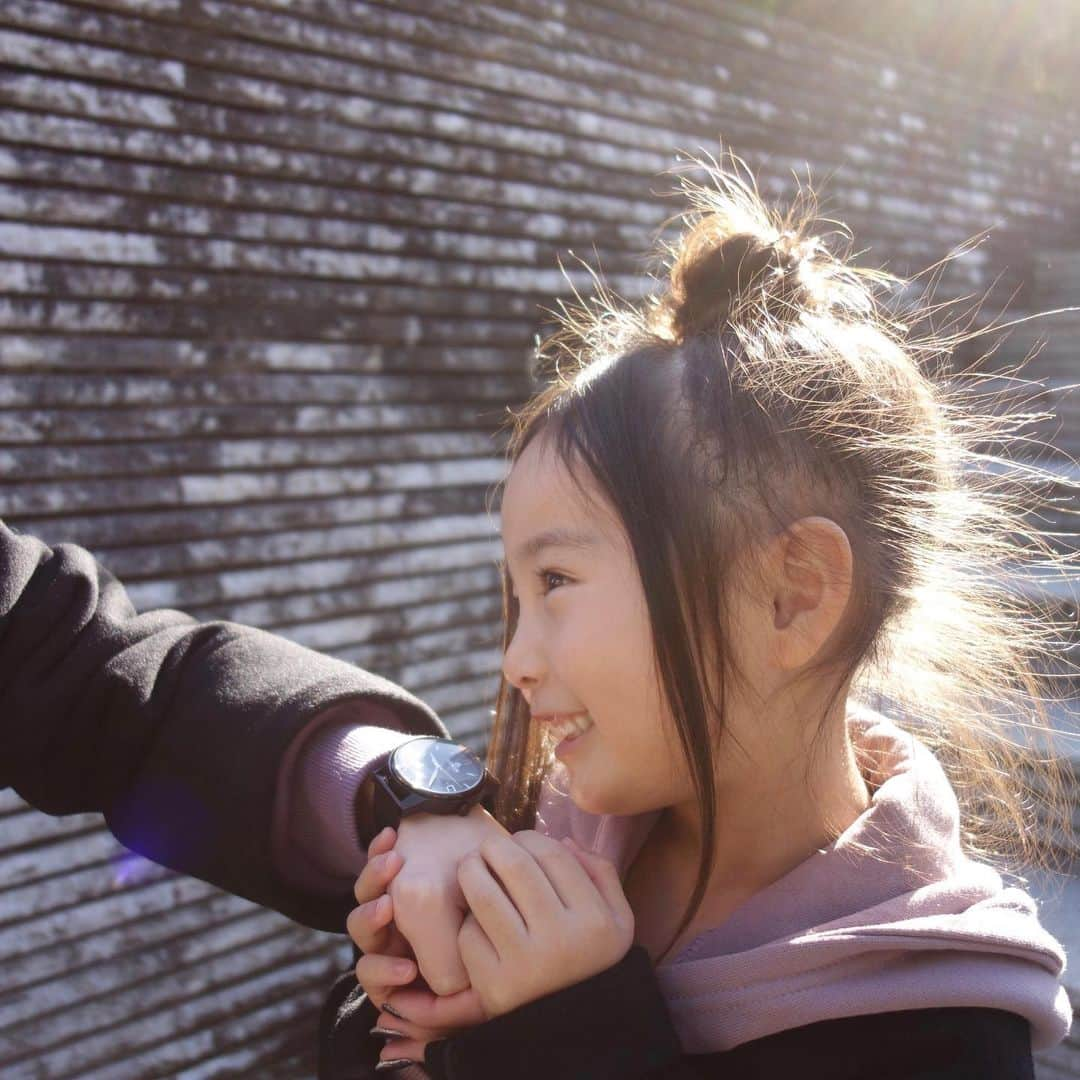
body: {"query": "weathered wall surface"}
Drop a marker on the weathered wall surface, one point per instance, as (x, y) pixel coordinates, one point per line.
(269, 275)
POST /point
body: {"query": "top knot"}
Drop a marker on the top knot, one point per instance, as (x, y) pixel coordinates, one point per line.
(710, 280)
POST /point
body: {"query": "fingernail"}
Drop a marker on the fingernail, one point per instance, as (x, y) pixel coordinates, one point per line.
(387, 1007)
(392, 1065)
(382, 906)
(386, 1033)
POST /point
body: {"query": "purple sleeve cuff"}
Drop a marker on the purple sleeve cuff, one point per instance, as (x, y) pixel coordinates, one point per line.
(315, 843)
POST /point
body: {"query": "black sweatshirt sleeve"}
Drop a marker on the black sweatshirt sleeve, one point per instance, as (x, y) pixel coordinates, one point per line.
(173, 729)
(616, 1025)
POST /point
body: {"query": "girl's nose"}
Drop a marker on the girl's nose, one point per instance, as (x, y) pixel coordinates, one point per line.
(521, 662)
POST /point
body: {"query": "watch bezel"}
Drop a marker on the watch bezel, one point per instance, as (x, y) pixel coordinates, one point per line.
(444, 796)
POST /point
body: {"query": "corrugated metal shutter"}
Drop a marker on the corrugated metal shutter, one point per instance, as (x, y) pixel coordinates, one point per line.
(270, 272)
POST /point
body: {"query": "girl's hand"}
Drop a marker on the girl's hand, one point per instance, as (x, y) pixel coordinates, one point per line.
(372, 929)
(543, 915)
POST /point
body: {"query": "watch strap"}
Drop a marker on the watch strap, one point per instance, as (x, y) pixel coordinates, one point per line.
(385, 808)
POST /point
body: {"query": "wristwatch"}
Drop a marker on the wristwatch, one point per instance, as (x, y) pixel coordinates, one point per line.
(426, 775)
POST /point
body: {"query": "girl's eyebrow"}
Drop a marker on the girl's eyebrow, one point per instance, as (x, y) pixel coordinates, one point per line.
(562, 536)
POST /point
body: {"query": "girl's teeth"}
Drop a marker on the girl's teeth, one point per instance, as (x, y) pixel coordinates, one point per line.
(575, 725)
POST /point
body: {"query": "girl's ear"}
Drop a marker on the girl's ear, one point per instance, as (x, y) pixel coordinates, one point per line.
(810, 590)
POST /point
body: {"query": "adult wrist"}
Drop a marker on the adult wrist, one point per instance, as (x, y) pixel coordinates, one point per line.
(351, 741)
(479, 811)
(364, 799)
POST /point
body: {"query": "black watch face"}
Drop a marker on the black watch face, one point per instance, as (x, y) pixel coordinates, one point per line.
(437, 767)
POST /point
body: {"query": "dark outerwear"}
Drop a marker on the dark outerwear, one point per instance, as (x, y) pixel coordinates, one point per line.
(174, 730)
(171, 728)
(615, 1026)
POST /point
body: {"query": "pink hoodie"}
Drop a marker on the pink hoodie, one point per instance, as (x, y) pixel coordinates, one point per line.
(846, 933)
(843, 933)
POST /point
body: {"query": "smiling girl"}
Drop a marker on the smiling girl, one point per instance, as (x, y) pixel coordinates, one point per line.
(740, 520)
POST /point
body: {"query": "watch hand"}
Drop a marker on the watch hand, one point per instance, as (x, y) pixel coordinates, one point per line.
(453, 780)
(440, 769)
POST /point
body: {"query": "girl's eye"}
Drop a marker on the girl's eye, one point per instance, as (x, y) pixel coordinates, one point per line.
(546, 576)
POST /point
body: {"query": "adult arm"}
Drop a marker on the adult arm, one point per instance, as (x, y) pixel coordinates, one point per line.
(320, 829)
(175, 730)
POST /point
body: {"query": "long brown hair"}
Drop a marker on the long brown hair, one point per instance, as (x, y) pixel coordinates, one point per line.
(767, 379)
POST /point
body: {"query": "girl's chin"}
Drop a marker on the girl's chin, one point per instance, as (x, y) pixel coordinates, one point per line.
(589, 806)
(588, 800)
(603, 800)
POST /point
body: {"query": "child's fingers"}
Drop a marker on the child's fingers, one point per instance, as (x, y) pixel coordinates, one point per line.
(382, 841)
(370, 925)
(376, 875)
(367, 924)
(605, 876)
(380, 975)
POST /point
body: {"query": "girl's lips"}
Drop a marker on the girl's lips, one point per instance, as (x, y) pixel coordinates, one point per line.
(547, 718)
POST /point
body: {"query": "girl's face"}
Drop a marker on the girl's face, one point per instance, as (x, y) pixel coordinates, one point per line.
(583, 641)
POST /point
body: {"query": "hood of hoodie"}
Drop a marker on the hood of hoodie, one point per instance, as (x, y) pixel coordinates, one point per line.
(892, 915)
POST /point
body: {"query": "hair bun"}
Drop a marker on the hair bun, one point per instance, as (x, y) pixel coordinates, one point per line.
(710, 280)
